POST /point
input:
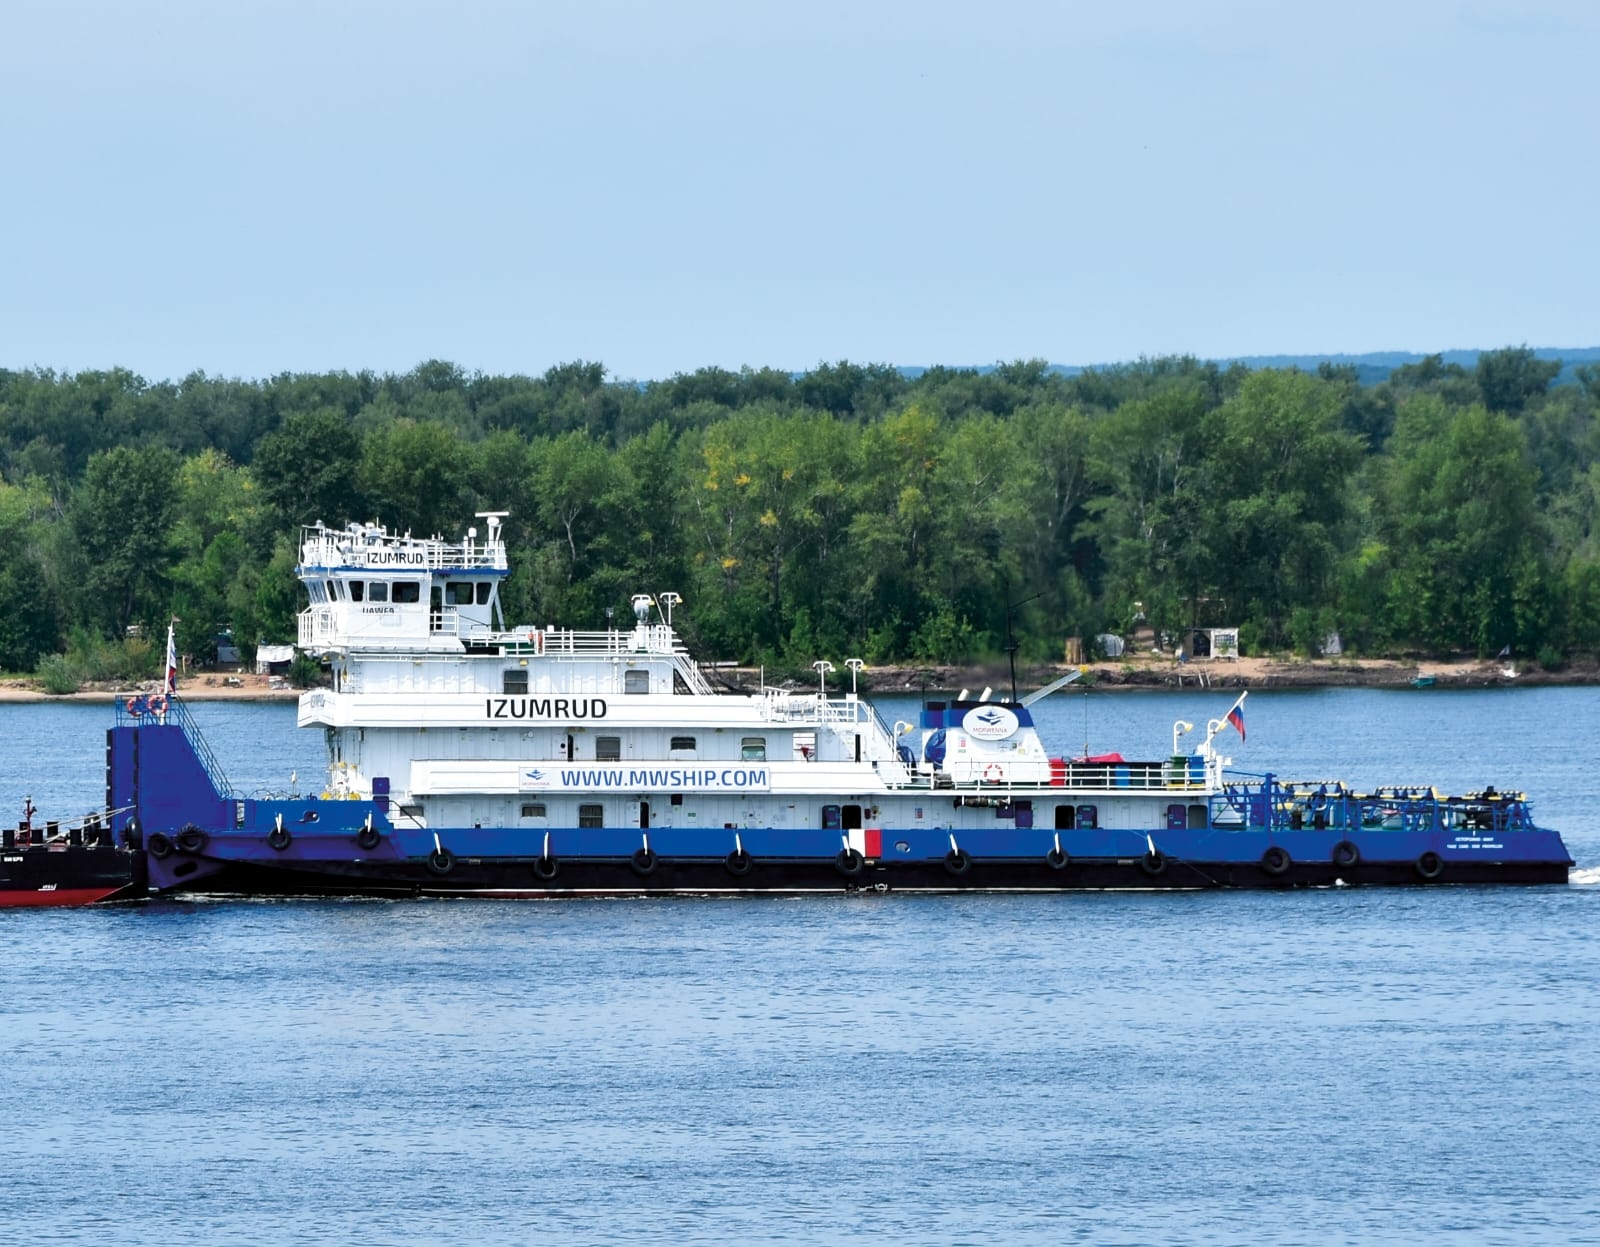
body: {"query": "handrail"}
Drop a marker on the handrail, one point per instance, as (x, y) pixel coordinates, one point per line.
(178, 714)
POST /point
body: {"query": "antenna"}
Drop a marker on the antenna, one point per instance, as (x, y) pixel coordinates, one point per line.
(1011, 637)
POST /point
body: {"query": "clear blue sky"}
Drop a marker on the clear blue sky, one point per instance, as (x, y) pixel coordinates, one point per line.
(252, 187)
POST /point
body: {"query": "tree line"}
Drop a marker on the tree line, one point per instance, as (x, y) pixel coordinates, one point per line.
(850, 509)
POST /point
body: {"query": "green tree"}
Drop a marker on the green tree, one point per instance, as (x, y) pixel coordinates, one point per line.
(121, 519)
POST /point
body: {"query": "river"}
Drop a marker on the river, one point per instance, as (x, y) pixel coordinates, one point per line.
(1341, 1065)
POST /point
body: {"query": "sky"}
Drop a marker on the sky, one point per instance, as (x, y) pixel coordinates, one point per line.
(248, 188)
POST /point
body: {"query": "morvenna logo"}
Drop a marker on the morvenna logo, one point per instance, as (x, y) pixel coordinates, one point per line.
(535, 779)
(989, 723)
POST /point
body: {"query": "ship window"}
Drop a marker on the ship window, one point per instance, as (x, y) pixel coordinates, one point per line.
(483, 593)
(753, 749)
(635, 681)
(458, 593)
(333, 594)
(608, 748)
(378, 591)
(407, 591)
(1088, 816)
(1064, 817)
(533, 809)
(591, 816)
(358, 590)
(514, 680)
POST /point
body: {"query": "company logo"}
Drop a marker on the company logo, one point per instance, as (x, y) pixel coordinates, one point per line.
(989, 723)
(535, 779)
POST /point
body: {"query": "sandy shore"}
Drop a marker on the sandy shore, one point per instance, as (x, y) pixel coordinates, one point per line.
(250, 688)
(1146, 671)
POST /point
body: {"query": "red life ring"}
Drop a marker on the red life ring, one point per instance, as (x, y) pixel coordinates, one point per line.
(134, 709)
(994, 773)
(158, 705)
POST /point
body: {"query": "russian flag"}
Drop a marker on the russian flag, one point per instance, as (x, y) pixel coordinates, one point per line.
(172, 664)
(1236, 717)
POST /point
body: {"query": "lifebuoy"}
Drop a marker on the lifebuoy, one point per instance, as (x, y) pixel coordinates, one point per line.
(1153, 862)
(191, 839)
(546, 867)
(160, 845)
(644, 861)
(849, 863)
(994, 773)
(368, 837)
(1057, 859)
(737, 862)
(1276, 861)
(158, 704)
(956, 862)
(135, 709)
(441, 861)
(1345, 853)
(1430, 865)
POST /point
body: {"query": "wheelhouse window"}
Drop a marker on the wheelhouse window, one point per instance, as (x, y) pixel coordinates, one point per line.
(591, 816)
(407, 591)
(608, 748)
(458, 593)
(358, 590)
(753, 749)
(377, 591)
(483, 592)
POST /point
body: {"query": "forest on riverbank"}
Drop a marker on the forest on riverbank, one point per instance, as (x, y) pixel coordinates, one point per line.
(849, 510)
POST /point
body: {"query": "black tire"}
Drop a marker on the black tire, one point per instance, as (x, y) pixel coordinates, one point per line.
(1430, 865)
(1345, 853)
(1153, 863)
(441, 862)
(159, 845)
(546, 868)
(956, 862)
(191, 839)
(368, 838)
(644, 861)
(1276, 861)
(737, 862)
(849, 863)
(1057, 859)
(278, 839)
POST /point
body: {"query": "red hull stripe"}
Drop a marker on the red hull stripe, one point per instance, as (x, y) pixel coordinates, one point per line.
(61, 896)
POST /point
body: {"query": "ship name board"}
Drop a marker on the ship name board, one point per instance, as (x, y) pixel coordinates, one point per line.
(394, 558)
(544, 707)
(648, 779)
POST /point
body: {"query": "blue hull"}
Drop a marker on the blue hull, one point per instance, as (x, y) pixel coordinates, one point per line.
(196, 838)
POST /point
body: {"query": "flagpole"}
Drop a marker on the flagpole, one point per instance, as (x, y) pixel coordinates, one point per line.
(1216, 725)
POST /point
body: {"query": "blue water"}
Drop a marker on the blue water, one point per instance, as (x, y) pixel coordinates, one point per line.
(1309, 1067)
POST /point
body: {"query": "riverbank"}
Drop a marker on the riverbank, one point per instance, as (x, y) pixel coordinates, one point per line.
(1142, 671)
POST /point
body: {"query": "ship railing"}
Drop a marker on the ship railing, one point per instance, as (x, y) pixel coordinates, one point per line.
(326, 549)
(147, 708)
(316, 627)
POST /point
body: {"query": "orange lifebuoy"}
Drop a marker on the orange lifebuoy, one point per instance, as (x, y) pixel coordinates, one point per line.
(993, 773)
(134, 709)
(158, 705)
